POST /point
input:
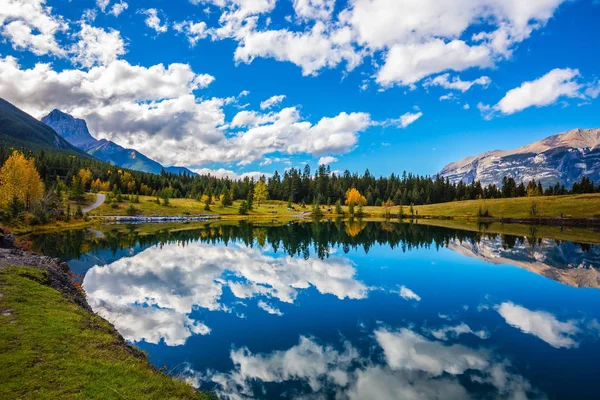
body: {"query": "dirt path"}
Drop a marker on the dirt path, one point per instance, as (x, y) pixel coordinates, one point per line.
(99, 201)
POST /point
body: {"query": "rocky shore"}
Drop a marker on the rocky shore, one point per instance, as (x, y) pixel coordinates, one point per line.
(59, 274)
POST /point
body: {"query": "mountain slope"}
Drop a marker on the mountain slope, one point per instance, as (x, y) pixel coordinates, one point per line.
(75, 130)
(564, 158)
(19, 129)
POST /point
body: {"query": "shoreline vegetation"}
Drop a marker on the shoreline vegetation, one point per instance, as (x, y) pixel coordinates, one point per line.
(44, 320)
(561, 212)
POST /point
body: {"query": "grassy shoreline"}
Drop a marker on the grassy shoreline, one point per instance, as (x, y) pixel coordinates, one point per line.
(574, 211)
(41, 333)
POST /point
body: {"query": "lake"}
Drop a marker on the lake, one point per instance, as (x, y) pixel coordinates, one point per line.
(348, 310)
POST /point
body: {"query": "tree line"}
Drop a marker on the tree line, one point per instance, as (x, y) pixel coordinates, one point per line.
(60, 173)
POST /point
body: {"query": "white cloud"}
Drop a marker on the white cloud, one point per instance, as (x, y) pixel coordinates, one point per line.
(155, 111)
(263, 305)
(456, 83)
(272, 101)
(593, 89)
(404, 120)
(414, 368)
(226, 173)
(406, 64)
(102, 4)
(96, 46)
(312, 50)
(153, 21)
(446, 332)
(151, 294)
(540, 324)
(408, 294)
(116, 9)
(541, 92)
(314, 9)
(194, 31)
(326, 160)
(30, 25)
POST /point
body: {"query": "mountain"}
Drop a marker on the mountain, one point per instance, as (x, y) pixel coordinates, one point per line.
(563, 262)
(564, 158)
(76, 132)
(19, 129)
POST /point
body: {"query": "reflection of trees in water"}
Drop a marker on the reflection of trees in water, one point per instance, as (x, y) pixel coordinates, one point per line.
(295, 239)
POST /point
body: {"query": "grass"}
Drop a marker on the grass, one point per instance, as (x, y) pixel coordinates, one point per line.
(572, 206)
(148, 206)
(52, 349)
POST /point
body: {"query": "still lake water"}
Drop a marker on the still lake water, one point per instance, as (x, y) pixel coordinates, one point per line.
(349, 310)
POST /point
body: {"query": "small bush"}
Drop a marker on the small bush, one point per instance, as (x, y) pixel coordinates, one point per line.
(131, 210)
(32, 219)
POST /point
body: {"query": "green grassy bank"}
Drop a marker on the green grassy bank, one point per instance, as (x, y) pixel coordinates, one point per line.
(50, 348)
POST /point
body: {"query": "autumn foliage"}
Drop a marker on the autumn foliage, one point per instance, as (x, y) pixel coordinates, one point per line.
(353, 196)
(20, 179)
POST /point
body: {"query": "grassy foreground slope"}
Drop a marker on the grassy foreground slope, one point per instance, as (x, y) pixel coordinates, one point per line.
(50, 348)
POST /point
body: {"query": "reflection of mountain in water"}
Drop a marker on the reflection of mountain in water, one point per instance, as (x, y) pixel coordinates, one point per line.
(564, 262)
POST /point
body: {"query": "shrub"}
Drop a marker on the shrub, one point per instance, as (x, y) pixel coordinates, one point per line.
(131, 210)
(338, 208)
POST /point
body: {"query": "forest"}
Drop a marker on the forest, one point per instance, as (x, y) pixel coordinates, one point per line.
(50, 175)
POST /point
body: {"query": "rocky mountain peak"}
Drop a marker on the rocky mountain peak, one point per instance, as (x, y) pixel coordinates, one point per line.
(564, 158)
(74, 130)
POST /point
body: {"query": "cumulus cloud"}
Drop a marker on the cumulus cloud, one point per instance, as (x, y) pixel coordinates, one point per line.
(326, 160)
(415, 39)
(314, 9)
(153, 21)
(30, 25)
(407, 64)
(541, 92)
(116, 9)
(413, 367)
(160, 286)
(541, 324)
(194, 31)
(154, 110)
(272, 101)
(96, 46)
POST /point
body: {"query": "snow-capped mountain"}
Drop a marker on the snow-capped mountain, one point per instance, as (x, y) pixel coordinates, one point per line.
(564, 158)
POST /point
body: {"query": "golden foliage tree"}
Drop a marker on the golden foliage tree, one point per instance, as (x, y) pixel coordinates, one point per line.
(19, 178)
(260, 192)
(85, 175)
(353, 196)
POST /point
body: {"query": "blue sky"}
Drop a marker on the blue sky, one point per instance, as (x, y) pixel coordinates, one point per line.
(183, 81)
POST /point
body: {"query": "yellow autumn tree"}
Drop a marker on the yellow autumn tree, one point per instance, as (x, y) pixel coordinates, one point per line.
(353, 196)
(19, 178)
(85, 175)
(260, 192)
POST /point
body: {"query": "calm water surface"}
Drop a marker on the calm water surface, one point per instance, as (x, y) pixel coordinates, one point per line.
(350, 310)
